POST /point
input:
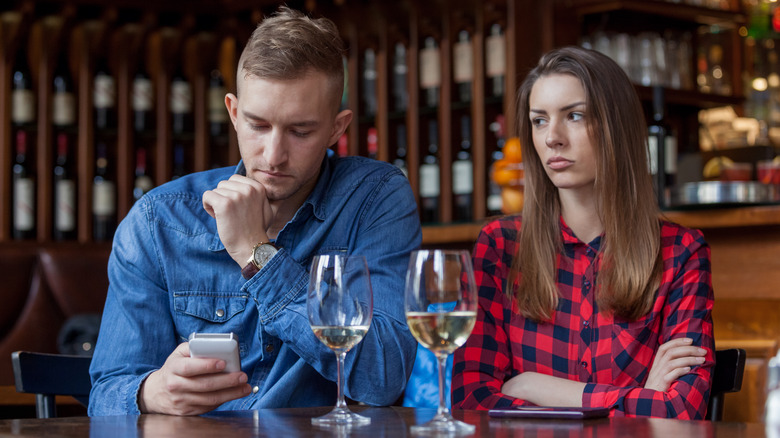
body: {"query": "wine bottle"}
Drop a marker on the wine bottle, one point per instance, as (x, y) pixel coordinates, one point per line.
(23, 189)
(64, 191)
(369, 82)
(23, 168)
(495, 60)
(430, 72)
(463, 174)
(400, 95)
(64, 120)
(22, 95)
(662, 148)
(342, 146)
(63, 97)
(181, 105)
(429, 177)
(463, 65)
(142, 102)
(218, 120)
(179, 166)
(103, 196)
(143, 181)
(372, 139)
(104, 97)
(400, 149)
(494, 200)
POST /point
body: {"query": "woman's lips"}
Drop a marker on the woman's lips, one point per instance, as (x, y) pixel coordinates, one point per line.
(558, 163)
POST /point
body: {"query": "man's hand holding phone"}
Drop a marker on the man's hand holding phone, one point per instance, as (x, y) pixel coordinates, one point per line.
(187, 385)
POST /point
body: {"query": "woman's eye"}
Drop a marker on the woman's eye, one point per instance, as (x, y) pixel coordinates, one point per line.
(577, 116)
(537, 121)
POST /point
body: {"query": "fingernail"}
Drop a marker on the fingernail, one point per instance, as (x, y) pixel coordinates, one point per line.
(702, 351)
(242, 378)
(700, 359)
(220, 365)
(687, 340)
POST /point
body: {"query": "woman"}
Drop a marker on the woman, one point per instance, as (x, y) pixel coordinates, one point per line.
(594, 301)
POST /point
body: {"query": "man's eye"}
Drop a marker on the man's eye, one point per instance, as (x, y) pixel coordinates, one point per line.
(301, 134)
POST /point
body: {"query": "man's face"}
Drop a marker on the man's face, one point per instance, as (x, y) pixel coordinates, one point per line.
(284, 128)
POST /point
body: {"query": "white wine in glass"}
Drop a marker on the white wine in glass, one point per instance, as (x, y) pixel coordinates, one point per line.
(340, 307)
(441, 309)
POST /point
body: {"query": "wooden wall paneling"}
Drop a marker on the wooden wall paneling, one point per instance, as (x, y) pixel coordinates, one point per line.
(10, 27)
(383, 69)
(200, 49)
(745, 262)
(448, 36)
(479, 151)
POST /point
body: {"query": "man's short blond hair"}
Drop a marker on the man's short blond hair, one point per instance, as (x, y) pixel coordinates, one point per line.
(289, 45)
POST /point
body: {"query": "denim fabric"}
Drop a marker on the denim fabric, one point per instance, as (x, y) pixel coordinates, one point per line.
(170, 276)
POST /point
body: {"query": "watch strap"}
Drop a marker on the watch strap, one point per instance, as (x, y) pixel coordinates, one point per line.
(251, 267)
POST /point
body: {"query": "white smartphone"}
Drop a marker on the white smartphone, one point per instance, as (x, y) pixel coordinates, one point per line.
(217, 345)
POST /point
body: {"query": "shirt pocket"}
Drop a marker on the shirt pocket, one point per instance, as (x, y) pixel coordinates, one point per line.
(209, 312)
(634, 344)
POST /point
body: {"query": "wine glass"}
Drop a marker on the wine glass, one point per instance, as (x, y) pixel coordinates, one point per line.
(340, 306)
(441, 309)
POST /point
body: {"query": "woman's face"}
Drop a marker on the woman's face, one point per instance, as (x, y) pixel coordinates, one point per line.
(559, 124)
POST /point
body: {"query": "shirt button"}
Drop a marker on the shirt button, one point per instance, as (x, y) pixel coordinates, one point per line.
(586, 323)
(584, 364)
(255, 389)
(220, 313)
(269, 348)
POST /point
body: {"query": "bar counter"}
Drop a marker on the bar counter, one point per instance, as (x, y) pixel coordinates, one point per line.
(385, 422)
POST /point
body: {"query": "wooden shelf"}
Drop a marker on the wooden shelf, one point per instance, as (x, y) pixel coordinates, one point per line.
(678, 11)
(766, 215)
(455, 233)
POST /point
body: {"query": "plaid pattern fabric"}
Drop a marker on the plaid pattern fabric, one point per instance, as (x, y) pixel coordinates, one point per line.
(612, 355)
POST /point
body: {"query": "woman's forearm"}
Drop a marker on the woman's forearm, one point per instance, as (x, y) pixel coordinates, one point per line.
(544, 390)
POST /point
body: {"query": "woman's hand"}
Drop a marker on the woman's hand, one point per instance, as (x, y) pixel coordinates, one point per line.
(673, 360)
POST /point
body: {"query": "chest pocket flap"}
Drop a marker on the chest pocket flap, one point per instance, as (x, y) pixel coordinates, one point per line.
(210, 306)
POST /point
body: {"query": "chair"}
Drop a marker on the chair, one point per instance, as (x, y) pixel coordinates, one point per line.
(727, 377)
(47, 375)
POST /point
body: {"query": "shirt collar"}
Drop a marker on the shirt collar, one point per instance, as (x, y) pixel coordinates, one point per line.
(571, 241)
(316, 198)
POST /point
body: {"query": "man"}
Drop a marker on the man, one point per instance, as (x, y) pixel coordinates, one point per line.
(223, 251)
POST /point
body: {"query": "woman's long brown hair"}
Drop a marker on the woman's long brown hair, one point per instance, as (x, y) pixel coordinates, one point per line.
(631, 261)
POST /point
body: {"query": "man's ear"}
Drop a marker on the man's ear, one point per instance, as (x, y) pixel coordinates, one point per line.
(343, 119)
(231, 103)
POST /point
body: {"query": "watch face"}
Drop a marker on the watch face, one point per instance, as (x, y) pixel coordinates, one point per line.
(263, 253)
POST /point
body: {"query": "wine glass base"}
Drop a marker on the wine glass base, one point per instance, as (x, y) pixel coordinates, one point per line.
(443, 425)
(339, 416)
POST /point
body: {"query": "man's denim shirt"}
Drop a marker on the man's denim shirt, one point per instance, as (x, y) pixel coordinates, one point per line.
(170, 276)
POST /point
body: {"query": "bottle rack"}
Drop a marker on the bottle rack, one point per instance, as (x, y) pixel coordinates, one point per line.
(161, 39)
(142, 39)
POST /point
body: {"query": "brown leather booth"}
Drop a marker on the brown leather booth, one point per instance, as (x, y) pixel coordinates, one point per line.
(41, 287)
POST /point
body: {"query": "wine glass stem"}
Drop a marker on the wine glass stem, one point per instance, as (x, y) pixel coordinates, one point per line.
(340, 403)
(441, 359)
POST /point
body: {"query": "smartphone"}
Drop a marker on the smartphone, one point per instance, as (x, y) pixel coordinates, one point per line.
(217, 345)
(549, 412)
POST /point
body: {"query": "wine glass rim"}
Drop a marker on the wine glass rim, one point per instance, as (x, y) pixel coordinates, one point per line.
(441, 251)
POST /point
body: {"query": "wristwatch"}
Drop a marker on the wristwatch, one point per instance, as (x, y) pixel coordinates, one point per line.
(261, 254)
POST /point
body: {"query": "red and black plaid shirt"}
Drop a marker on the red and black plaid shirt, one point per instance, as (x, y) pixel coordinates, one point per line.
(611, 354)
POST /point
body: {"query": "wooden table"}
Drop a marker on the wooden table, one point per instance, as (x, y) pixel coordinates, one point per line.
(385, 422)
